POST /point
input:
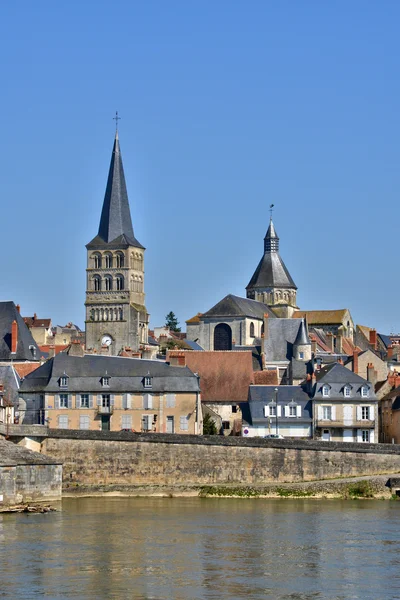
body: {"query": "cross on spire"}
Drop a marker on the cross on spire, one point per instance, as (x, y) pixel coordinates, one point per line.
(271, 208)
(116, 119)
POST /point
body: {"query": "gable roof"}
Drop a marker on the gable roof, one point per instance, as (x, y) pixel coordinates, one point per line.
(35, 322)
(321, 317)
(224, 375)
(115, 222)
(279, 339)
(337, 373)
(235, 306)
(126, 375)
(27, 348)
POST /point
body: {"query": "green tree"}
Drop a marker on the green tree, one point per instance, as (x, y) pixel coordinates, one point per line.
(209, 426)
(172, 322)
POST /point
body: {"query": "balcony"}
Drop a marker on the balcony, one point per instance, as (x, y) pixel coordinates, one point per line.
(364, 424)
(105, 410)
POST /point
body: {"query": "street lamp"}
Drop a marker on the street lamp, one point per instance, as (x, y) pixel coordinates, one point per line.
(276, 409)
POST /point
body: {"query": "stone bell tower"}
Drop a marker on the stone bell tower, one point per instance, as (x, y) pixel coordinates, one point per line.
(116, 315)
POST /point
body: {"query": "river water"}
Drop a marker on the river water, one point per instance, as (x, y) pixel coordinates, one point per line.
(189, 548)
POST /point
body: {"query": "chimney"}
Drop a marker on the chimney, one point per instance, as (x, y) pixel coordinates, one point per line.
(313, 346)
(372, 338)
(18, 308)
(390, 352)
(339, 343)
(331, 342)
(52, 351)
(34, 316)
(355, 360)
(14, 337)
(176, 358)
(371, 374)
(340, 361)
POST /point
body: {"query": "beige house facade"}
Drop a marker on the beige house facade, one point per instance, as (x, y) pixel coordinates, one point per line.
(112, 393)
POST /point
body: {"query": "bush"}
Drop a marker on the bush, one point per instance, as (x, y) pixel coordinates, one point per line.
(209, 426)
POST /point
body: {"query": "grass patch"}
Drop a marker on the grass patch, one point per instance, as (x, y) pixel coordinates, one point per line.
(361, 489)
(240, 492)
(289, 493)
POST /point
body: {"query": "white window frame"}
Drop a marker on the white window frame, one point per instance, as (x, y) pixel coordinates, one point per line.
(365, 410)
(327, 410)
(364, 391)
(325, 391)
(292, 410)
(64, 381)
(147, 382)
(365, 436)
(62, 399)
(81, 396)
(147, 401)
(105, 382)
(347, 391)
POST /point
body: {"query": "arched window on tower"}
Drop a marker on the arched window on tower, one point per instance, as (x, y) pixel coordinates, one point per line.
(108, 282)
(119, 257)
(120, 282)
(108, 260)
(252, 330)
(97, 283)
(96, 260)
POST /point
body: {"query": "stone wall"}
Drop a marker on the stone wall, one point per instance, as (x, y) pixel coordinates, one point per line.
(108, 458)
(27, 476)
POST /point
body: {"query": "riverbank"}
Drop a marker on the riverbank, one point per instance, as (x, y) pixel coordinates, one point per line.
(373, 487)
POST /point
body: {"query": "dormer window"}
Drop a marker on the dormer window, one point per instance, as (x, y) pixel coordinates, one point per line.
(364, 391)
(64, 380)
(105, 381)
(347, 391)
(147, 381)
(33, 351)
(325, 391)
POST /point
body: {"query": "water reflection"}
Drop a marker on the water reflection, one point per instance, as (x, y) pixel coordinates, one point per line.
(160, 548)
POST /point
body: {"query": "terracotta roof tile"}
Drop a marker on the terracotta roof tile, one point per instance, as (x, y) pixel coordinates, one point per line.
(23, 369)
(223, 375)
(268, 377)
(35, 322)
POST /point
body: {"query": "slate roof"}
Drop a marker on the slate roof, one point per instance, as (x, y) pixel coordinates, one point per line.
(10, 379)
(260, 395)
(336, 376)
(126, 375)
(337, 373)
(235, 306)
(8, 314)
(224, 375)
(255, 353)
(115, 227)
(321, 317)
(193, 345)
(271, 272)
(279, 339)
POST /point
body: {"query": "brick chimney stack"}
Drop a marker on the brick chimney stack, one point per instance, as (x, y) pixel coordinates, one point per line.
(18, 308)
(339, 342)
(390, 352)
(355, 360)
(14, 337)
(373, 338)
(176, 358)
(371, 373)
(331, 342)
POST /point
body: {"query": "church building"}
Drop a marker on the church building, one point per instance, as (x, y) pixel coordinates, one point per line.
(116, 315)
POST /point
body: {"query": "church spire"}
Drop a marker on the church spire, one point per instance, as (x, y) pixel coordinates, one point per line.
(115, 218)
(271, 240)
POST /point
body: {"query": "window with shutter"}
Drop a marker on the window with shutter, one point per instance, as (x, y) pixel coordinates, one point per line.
(63, 400)
(170, 400)
(84, 401)
(84, 422)
(63, 422)
(184, 425)
(126, 422)
(298, 410)
(147, 401)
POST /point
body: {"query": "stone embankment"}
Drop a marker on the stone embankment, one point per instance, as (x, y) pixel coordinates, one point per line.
(160, 464)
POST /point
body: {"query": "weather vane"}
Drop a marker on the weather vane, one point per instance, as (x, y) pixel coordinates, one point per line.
(116, 119)
(271, 208)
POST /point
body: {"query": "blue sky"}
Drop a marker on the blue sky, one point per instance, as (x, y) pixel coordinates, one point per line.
(227, 107)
